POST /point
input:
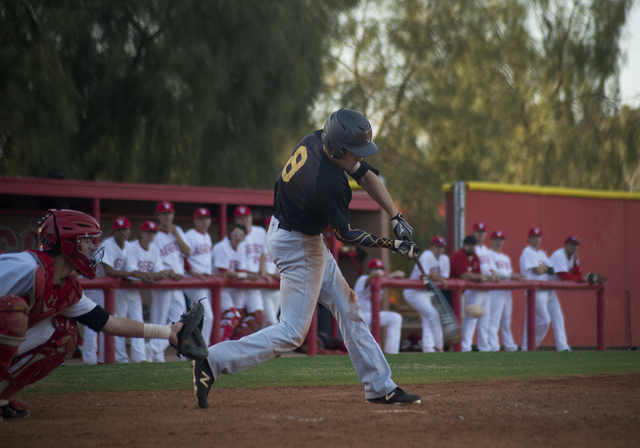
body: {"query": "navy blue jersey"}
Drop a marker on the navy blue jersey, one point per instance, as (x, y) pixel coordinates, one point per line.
(311, 192)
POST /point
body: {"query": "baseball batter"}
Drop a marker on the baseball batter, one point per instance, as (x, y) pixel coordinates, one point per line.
(270, 297)
(41, 303)
(167, 304)
(389, 319)
(312, 192)
(253, 247)
(437, 265)
(535, 265)
(201, 245)
(501, 301)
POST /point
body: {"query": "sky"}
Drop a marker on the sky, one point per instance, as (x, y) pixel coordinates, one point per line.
(630, 72)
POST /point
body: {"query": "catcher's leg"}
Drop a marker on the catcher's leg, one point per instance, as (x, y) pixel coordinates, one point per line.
(14, 321)
(37, 362)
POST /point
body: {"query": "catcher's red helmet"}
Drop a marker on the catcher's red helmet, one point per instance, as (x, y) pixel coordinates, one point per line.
(60, 231)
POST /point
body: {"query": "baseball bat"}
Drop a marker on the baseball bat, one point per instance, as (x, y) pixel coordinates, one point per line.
(451, 333)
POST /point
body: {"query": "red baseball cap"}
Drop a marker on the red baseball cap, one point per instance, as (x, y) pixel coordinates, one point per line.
(242, 210)
(498, 234)
(535, 231)
(438, 241)
(121, 223)
(149, 226)
(164, 207)
(201, 212)
(376, 263)
(572, 240)
(479, 227)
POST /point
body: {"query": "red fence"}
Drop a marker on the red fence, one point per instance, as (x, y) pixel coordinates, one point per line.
(109, 285)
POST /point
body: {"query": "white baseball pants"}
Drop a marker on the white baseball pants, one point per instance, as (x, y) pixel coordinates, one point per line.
(469, 325)
(501, 309)
(548, 311)
(271, 302)
(194, 295)
(129, 304)
(431, 326)
(167, 306)
(309, 274)
(393, 322)
(93, 343)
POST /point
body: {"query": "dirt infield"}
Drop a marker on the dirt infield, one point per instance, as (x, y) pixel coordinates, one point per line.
(602, 410)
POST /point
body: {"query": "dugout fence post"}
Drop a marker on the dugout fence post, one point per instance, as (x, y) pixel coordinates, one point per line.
(456, 306)
(375, 308)
(531, 319)
(216, 305)
(109, 340)
(601, 320)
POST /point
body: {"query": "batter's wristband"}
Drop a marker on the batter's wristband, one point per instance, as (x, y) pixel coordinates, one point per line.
(242, 275)
(154, 331)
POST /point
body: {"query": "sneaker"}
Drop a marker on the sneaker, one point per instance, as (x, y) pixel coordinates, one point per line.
(14, 409)
(202, 381)
(397, 397)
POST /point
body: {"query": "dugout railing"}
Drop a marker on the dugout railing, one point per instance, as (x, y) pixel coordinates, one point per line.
(458, 286)
(215, 284)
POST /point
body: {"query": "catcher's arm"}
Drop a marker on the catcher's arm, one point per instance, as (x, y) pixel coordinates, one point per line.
(121, 326)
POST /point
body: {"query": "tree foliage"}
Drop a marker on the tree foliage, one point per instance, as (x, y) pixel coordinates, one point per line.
(504, 91)
(206, 92)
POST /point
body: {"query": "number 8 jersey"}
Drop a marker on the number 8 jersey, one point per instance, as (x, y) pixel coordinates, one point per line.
(311, 192)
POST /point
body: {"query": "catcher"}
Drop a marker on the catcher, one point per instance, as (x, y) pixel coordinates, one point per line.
(41, 304)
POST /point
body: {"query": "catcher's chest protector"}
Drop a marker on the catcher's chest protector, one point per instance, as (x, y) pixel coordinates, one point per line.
(48, 299)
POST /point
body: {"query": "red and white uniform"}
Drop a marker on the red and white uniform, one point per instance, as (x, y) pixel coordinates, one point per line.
(420, 299)
(547, 306)
(501, 305)
(115, 257)
(200, 261)
(253, 247)
(389, 319)
(226, 259)
(167, 304)
(270, 297)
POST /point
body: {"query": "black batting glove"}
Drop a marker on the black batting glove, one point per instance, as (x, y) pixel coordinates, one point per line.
(407, 249)
(401, 228)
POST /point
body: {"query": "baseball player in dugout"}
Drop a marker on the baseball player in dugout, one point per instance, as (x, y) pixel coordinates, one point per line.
(535, 264)
(41, 304)
(437, 266)
(311, 192)
(501, 301)
(389, 319)
(167, 304)
(465, 264)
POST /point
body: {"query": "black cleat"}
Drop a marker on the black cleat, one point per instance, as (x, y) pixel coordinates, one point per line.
(202, 381)
(397, 397)
(14, 409)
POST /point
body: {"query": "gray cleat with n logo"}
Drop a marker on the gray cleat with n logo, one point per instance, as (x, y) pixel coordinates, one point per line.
(397, 397)
(202, 381)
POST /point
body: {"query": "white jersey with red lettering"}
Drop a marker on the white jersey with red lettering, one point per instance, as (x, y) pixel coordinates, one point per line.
(225, 258)
(560, 263)
(253, 246)
(170, 251)
(115, 256)
(142, 260)
(501, 306)
(432, 265)
(201, 245)
(486, 265)
(530, 259)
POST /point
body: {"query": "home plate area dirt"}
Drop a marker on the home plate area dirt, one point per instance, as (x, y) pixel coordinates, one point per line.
(584, 411)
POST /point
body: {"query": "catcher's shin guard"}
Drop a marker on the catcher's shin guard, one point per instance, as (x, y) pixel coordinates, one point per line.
(250, 325)
(14, 321)
(42, 360)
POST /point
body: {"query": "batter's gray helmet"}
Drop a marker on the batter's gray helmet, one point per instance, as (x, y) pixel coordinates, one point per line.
(348, 130)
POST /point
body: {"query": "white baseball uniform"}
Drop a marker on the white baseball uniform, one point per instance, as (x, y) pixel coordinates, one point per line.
(270, 297)
(420, 300)
(560, 263)
(167, 304)
(200, 261)
(389, 319)
(482, 298)
(93, 343)
(501, 306)
(138, 259)
(253, 246)
(546, 301)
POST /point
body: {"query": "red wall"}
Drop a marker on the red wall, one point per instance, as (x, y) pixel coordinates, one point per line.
(610, 245)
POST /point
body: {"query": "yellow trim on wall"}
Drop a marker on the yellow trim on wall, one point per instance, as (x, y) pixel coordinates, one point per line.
(547, 191)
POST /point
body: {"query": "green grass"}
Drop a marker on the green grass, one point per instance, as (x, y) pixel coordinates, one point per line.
(337, 370)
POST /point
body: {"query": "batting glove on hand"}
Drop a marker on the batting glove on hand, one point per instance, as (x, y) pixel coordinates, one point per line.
(407, 249)
(401, 228)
